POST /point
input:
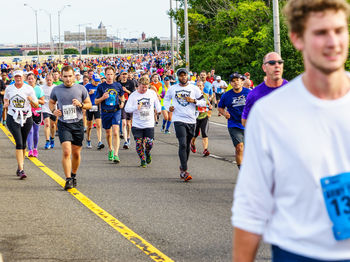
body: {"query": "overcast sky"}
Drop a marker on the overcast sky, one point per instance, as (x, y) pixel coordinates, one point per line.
(130, 17)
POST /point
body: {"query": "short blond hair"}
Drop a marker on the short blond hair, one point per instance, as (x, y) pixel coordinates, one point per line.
(144, 80)
(298, 11)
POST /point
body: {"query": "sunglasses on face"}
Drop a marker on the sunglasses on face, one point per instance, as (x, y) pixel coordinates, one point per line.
(273, 62)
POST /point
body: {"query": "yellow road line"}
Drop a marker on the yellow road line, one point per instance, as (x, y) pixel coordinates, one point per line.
(138, 241)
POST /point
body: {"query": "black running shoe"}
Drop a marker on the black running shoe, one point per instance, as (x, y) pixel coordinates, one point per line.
(74, 182)
(69, 183)
(22, 175)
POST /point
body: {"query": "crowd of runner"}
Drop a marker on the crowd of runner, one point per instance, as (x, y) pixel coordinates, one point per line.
(129, 96)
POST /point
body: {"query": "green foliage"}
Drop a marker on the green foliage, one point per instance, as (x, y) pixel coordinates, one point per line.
(33, 53)
(232, 35)
(71, 51)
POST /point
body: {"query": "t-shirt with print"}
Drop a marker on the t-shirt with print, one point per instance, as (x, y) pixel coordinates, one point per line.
(112, 102)
(18, 99)
(90, 87)
(130, 86)
(234, 102)
(257, 93)
(64, 96)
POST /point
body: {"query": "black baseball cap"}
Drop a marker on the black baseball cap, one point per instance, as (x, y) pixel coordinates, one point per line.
(181, 70)
(236, 75)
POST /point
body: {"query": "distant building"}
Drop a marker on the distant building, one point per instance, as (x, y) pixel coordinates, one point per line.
(96, 34)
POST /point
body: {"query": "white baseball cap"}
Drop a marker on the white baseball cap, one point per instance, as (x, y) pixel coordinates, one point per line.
(218, 78)
(18, 73)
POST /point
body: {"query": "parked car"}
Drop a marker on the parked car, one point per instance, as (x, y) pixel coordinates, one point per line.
(74, 55)
(66, 56)
(34, 59)
(50, 58)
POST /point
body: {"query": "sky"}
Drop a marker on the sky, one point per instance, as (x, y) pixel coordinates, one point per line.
(128, 18)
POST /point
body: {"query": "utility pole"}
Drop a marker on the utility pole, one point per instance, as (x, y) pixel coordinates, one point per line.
(276, 27)
(172, 38)
(187, 45)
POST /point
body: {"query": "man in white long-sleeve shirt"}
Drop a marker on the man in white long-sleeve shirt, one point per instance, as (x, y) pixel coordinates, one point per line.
(185, 97)
(294, 185)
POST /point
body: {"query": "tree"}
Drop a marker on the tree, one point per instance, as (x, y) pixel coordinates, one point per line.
(70, 51)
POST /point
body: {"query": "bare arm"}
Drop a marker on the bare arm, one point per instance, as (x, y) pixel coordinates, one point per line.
(245, 245)
(41, 100)
(244, 121)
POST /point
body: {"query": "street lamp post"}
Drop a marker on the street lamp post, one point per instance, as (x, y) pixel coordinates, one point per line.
(59, 29)
(51, 39)
(172, 37)
(84, 38)
(187, 45)
(36, 27)
(276, 27)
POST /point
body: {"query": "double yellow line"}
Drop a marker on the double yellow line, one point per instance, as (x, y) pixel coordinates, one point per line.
(130, 235)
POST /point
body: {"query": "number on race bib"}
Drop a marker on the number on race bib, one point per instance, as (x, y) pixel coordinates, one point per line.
(69, 112)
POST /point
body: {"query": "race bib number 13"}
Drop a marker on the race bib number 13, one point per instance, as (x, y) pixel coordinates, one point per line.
(336, 194)
(69, 112)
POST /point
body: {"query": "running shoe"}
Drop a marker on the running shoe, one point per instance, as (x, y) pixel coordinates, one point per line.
(126, 145)
(74, 181)
(52, 142)
(22, 175)
(69, 183)
(4, 122)
(110, 155)
(162, 129)
(47, 145)
(94, 125)
(121, 136)
(18, 172)
(30, 153)
(206, 152)
(143, 164)
(193, 148)
(35, 152)
(185, 176)
(100, 145)
(116, 159)
(148, 159)
(167, 132)
(88, 144)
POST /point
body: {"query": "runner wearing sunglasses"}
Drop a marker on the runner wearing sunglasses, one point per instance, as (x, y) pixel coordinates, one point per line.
(273, 67)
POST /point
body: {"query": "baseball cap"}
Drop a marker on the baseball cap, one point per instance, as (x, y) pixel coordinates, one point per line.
(18, 73)
(235, 75)
(218, 78)
(96, 78)
(123, 71)
(181, 70)
(77, 72)
(166, 79)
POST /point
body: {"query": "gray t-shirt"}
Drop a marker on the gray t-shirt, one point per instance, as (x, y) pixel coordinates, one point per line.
(64, 96)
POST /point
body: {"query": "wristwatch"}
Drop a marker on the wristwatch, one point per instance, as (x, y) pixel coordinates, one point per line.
(195, 101)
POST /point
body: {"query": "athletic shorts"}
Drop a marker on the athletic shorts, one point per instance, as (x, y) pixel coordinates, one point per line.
(73, 132)
(93, 115)
(142, 132)
(218, 96)
(125, 115)
(203, 126)
(52, 117)
(109, 119)
(237, 135)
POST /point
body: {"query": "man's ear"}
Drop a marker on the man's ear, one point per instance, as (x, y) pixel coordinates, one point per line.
(297, 41)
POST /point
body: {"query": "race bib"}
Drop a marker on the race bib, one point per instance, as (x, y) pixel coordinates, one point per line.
(94, 108)
(336, 193)
(69, 112)
(145, 114)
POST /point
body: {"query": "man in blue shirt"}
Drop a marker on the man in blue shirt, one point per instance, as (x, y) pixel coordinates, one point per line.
(110, 95)
(234, 101)
(94, 113)
(208, 87)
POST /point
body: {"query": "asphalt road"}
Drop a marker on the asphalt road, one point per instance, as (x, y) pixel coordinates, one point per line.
(39, 221)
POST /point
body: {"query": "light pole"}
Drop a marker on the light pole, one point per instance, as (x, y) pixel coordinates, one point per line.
(177, 32)
(172, 37)
(187, 45)
(84, 37)
(36, 26)
(59, 29)
(276, 27)
(51, 39)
